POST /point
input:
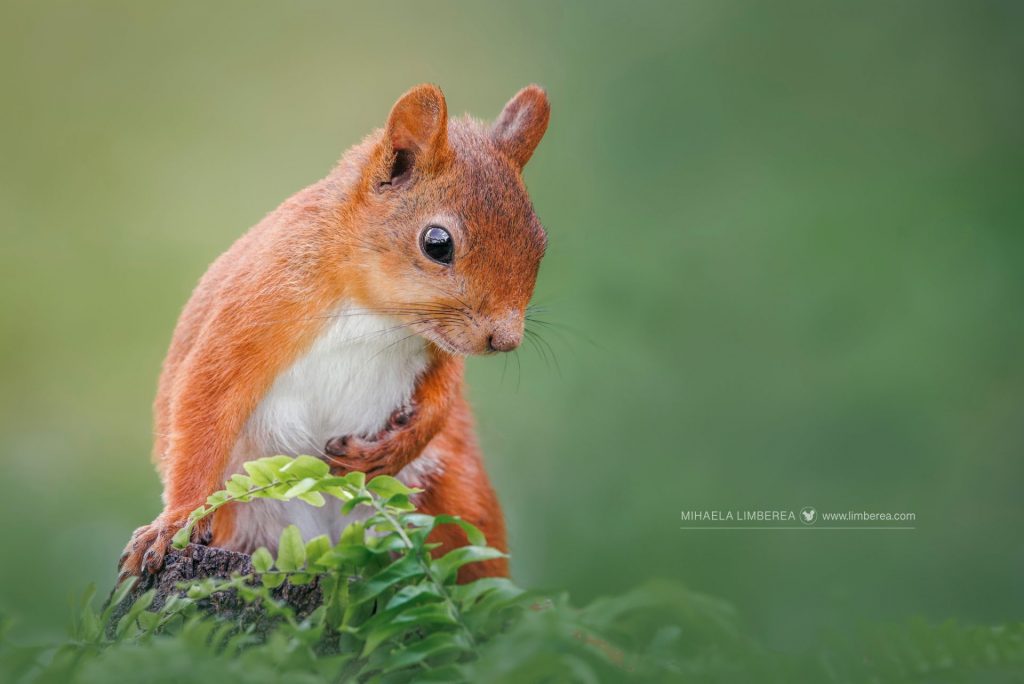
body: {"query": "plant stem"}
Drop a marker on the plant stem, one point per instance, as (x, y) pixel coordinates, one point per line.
(441, 589)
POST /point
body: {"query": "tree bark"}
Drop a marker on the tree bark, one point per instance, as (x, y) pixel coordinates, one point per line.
(200, 562)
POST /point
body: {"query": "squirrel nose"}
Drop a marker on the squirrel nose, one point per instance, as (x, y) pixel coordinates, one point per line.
(503, 341)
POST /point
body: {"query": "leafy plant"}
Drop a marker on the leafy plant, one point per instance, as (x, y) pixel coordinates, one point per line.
(392, 612)
(389, 606)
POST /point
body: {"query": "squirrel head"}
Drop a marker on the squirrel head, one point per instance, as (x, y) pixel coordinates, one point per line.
(448, 240)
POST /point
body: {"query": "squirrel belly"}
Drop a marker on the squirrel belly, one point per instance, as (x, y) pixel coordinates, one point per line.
(360, 368)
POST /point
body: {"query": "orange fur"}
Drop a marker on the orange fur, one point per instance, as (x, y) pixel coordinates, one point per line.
(463, 487)
(353, 237)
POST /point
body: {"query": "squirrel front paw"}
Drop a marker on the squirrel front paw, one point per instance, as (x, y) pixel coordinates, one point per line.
(374, 455)
(349, 453)
(149, 543)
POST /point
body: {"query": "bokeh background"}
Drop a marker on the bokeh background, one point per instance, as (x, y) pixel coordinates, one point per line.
(786, 263)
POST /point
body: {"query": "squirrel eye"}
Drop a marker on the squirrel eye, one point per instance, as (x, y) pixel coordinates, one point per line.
(437, 244)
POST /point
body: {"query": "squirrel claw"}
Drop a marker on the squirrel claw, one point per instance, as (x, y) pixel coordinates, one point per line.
(146, 551)
(337, 446)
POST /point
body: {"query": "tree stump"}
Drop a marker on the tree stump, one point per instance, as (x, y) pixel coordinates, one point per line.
(201, 562)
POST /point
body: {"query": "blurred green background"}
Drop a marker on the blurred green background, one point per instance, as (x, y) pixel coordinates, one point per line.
(786, 244)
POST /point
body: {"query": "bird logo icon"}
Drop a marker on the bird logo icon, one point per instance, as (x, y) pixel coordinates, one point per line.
(808, 515)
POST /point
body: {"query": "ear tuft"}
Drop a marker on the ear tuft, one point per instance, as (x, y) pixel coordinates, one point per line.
(521, 124)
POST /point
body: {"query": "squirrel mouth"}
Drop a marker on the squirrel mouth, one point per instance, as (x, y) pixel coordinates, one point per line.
(442, 342)
(445, 345)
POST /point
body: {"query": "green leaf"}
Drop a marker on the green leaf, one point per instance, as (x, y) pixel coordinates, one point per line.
(473, 533)
(344, 554)
(238, 486)
(355, 533)
(291, 552)
(260, 472)
(262, 561)
(443, 675)
(356, 479)
(276, 464)
(468, 594)
(401, 502)
(306, 466)
(115, 600)
(422, 649)
(300, 487)
(217, 498)
(351, 504)
(313, 498)
(388, 545)
(338, 487)
(402, 569)
(136, 609)
(447, 565)
(300, 578)
(405, 599)
(183, 536)
(421, 520)
(316, 547)
(386, 486)
(410, 594)
(430, 615)
(334, 481)
(272, 581)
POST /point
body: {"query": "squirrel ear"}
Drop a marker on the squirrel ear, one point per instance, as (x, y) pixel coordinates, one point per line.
(417, 131)
(522, 123)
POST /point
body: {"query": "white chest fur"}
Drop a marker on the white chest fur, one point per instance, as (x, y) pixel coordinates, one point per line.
(361, 368)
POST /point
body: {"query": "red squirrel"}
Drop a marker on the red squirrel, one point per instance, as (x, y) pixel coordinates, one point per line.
(337, 327)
